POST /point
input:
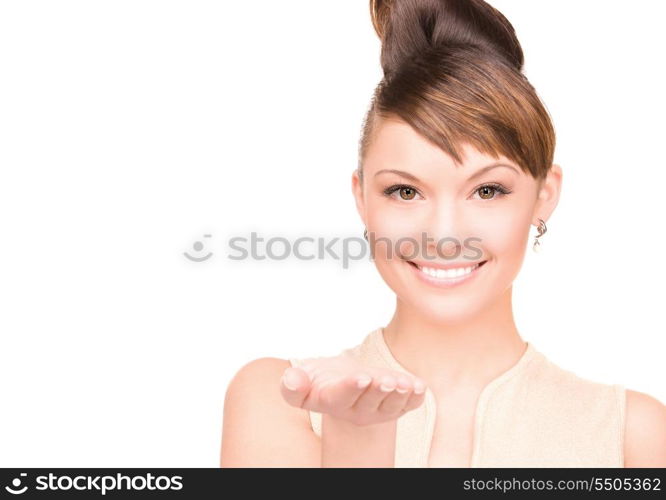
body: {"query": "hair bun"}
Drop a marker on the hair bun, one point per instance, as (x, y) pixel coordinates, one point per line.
(410, 27)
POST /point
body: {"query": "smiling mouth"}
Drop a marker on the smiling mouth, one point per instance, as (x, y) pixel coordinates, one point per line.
(438, 273)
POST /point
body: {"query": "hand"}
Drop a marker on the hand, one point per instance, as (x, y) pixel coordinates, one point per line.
(344, 388)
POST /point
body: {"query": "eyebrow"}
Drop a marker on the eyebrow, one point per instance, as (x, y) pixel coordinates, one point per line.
(476, 174)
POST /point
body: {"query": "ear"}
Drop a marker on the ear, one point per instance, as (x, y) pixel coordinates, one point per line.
(357, 191)
(548, 195)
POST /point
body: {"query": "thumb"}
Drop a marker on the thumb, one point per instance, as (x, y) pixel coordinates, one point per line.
(295, 386)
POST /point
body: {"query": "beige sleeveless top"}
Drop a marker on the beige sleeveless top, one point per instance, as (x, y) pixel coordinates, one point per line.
(535, 414)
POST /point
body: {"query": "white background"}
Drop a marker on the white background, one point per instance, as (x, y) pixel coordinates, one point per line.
(129, 129)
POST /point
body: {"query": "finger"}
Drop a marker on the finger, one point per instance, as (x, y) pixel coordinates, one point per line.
(295, 386)
(370, 400)
(417, 396)
(397, 399)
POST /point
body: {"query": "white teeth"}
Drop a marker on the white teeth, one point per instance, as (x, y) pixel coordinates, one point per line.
(448, 273)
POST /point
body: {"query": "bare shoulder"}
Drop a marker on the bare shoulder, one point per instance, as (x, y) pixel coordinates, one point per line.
(260, 429)
(645, 431)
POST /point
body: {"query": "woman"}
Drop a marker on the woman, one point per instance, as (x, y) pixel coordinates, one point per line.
(455, 166)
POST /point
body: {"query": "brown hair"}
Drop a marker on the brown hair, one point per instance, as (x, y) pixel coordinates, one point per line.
(453, 72)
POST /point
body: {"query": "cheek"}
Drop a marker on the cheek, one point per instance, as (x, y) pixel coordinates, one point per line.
(505, 240)
(395, 233)
(504, 235)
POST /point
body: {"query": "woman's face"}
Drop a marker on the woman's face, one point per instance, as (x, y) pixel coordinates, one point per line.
(439, 214)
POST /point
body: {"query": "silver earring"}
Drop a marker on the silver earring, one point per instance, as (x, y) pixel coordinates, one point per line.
(365, 234)
(542, 230)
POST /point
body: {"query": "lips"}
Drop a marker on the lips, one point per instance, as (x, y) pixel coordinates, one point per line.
(446, 267)
(447, 278)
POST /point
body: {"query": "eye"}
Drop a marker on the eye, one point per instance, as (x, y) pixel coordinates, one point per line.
(406, 193)
(488, 191)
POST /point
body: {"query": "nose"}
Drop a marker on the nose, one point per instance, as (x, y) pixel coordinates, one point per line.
(443, 225)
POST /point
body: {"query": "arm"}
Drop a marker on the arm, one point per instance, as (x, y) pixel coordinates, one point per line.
(259, 428)
(645, 431)
(345, 444)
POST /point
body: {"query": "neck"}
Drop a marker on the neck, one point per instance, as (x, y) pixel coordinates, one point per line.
(464, 353)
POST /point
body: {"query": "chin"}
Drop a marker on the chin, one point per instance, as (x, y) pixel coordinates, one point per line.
(445, 310)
